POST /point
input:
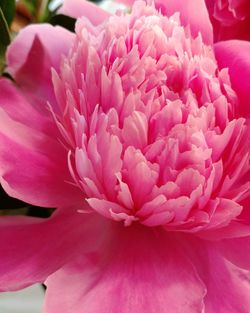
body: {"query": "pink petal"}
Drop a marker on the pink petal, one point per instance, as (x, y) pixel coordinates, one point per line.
(192, 13)
(226, 211)
(135, 130)
(236, 251)
(127, 2)
(78, 8)
(135, 270)
(38, 42)
(228, 287)
(235, 55)
(33, 248)
(233, 230)
(104, 207)
(33, 166)
(19, 109)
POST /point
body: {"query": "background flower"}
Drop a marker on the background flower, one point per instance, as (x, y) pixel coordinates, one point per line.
(140, 127)
(230, 18)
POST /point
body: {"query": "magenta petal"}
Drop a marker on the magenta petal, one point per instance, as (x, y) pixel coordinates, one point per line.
(38, 42)
(228, 289)
(230, 19)
(33, 248)
(136, 270)
(235, 55)
(33, 166)
(236, 250)
(54, 41)
(19, 109)
(228, 286)
(78, 8)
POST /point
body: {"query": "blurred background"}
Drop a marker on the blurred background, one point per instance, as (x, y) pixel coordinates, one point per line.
(29, 300)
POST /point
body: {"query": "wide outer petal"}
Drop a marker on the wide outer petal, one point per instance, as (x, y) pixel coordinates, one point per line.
(33, 164)
(79, 8)
(16, 105)
(135, 270)
(236, 250)
(228, 286)
(33, 248)
(40, 47)
(235, 55)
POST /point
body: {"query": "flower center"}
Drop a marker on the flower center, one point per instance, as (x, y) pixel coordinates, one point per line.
(149, 122)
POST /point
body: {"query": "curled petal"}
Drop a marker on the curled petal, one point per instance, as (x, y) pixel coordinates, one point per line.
(38, 42)
(33, 168)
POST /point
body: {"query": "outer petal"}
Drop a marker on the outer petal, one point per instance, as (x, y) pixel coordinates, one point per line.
(235, 55)
(192, 12)
(237, 251)
(234, 230)
(32, 248)
(228, 286)
(33, 164)
(39, 47)
(136, 270)
(13, 102)
(79, 8)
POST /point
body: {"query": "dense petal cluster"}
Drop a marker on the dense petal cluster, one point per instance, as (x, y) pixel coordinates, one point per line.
(151, 123)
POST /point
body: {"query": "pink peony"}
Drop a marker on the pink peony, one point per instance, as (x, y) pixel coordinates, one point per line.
(230, 18)
(142, 144)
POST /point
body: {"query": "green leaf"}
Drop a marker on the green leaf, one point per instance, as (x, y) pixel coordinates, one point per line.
(47, 13)
(8, 8)
(64, 21)
(4, 39)
(30, 5)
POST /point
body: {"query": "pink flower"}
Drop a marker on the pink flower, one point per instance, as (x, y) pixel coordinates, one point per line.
(142, 144)
(230, 18)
